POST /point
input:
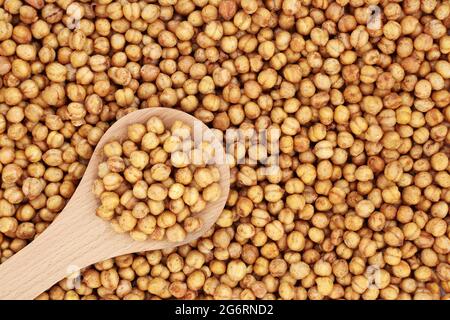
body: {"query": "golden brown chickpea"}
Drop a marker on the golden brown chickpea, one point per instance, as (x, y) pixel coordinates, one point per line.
(357, 177)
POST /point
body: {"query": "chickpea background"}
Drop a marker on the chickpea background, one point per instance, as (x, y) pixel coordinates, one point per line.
(148, 195)
(362, 103)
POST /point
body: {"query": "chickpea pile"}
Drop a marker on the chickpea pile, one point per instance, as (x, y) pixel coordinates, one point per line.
(151, 183)
(359, 89)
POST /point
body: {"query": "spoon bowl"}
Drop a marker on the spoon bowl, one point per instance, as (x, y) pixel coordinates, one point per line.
(78, 238)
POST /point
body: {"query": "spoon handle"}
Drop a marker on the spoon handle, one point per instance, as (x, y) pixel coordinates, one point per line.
(69, 244)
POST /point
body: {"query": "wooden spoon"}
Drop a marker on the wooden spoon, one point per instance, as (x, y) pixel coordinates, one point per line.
(78, 238)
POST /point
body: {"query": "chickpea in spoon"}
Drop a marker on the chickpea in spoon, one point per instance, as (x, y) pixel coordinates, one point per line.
(154, 183)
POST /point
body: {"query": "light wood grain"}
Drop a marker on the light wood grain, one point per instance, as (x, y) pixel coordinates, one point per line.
(78, 238)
